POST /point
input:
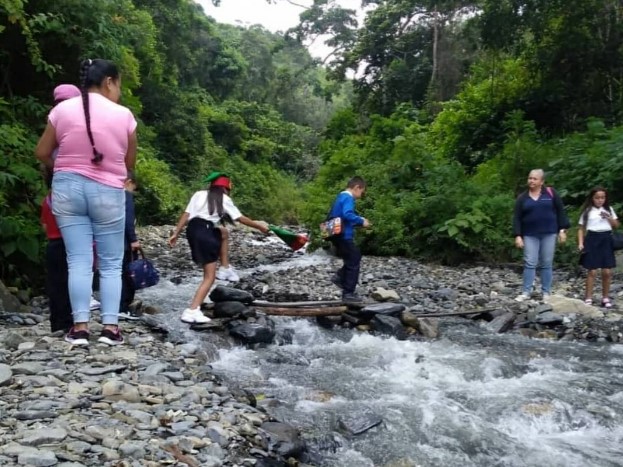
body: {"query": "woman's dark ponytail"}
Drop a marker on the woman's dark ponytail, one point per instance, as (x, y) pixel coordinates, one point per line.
(92, 73)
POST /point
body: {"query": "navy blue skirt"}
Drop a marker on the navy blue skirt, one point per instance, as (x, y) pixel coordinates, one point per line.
(204, 240)
(598, 252)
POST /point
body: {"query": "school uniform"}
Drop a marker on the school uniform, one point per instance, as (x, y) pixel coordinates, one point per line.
(348, 274)
(202, 233)
(598, 252)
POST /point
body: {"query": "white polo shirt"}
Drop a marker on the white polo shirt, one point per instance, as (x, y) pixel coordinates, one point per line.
(595, 222)
(198, 207)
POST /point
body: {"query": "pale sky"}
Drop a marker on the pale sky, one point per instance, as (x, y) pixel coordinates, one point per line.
(279, 16)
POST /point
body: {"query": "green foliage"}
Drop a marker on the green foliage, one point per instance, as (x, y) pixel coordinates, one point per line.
(470, 128)
(161, 196)
(262, 192)
(591, 158)
(21, 190)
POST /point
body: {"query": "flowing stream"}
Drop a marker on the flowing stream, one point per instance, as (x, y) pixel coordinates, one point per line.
(471, 398)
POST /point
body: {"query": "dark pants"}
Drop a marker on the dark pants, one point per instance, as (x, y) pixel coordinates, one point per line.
(57, 286)
(349, 272)
(127, 284)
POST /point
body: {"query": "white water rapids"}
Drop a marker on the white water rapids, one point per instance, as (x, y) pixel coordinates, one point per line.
(471, 398)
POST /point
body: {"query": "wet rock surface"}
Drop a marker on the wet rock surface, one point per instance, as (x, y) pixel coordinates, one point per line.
(155, 401)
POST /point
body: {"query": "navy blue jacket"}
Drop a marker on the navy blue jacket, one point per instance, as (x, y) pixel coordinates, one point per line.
(546, 215)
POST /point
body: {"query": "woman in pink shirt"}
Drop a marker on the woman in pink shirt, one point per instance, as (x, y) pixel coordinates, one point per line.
(96, 139)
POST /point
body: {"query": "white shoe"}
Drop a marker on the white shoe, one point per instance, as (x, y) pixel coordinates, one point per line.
(522, 297)
(94, 304)
(227, 274)
(194, 316)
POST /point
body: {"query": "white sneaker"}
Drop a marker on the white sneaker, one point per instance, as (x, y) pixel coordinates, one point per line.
(227, 274)
(192, 316)
(546, 296)
(94, 304)
(522, 297)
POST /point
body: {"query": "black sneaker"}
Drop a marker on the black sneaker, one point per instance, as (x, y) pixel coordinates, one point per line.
(351, 298)
(337, 281)
(129, 315)
(77, 337)
(111, 337)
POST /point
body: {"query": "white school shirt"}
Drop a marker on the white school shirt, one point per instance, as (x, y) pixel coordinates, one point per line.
(198, 207)
(596, 223)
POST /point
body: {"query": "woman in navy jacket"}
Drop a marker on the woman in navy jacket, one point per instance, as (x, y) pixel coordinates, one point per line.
(539, 218)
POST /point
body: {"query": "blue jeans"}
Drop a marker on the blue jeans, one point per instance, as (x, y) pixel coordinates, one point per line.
(87, 211)
(538, 251)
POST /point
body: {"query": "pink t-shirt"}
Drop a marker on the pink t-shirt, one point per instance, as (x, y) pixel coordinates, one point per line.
(111, 124)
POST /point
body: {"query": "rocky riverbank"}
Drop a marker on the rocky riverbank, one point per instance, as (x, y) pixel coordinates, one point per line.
(155, 401)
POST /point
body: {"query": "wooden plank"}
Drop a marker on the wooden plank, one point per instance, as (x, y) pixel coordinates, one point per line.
(324, 311)
(453, 313)
(315, 304)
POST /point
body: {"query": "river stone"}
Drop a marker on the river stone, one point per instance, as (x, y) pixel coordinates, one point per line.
(444, 294)
(384, 295)
(27, 368)
(229, 309)
(229, 294)
(389, 309)
(5, 374)
(549, 318)
(102, 370)
(502, 323)
(389, 325)
(47, 436)
(12, 340)
(116, 390)
(37, 458)
(358, 423)
(8, 302)
(543, 307)
(428, 327)
(268, 462)
(328, 322)
(217, 434)
(409, 319)
(34, 414)
(282, 438)
(253, 333)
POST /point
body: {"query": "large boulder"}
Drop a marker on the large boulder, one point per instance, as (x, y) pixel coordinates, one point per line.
(260, 332)
(229, 309)
(572, 306)
(389, 325)
(229, 294)
(388, 309)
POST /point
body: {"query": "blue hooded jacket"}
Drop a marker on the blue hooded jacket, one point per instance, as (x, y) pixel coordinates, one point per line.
(344, 207)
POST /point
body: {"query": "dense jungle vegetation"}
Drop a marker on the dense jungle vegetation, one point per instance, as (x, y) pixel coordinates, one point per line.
(442, 105)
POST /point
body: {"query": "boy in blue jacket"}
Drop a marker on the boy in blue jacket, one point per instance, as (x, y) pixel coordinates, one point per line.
(347, 276)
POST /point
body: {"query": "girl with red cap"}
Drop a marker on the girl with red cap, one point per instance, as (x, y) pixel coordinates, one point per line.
(205, 210)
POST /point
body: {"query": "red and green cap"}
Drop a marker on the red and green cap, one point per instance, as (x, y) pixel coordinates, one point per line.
(218, 179)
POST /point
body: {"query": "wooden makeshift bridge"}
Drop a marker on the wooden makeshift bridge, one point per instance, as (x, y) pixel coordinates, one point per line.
(336, 308)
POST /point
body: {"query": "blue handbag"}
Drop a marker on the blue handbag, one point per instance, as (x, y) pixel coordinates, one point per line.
(142, 271)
